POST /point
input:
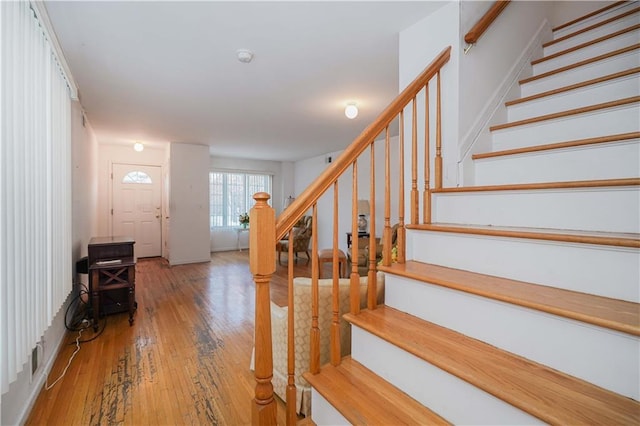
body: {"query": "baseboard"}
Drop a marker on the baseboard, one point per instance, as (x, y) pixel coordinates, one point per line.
(56, 336)
(187, 261)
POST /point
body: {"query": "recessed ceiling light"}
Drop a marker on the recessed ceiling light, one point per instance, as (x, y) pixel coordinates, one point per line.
(351, 110)
(244, 55)
(138, 147)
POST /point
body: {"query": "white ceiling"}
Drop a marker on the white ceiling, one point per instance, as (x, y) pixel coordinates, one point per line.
(168, 71)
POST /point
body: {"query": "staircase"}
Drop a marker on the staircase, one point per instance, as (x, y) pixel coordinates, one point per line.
(521, 301)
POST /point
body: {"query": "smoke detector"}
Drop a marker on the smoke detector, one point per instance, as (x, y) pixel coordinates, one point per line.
(244, 55)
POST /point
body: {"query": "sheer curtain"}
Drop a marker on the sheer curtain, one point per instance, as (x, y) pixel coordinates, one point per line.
(35, 186)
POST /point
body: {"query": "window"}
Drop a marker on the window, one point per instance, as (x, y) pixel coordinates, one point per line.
(231, 194)
(136, 177)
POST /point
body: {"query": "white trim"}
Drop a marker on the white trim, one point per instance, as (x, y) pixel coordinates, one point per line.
(40, 10)
(498, 97)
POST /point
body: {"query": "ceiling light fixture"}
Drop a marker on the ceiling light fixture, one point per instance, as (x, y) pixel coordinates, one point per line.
(351, 110)
(138, 147)
(244, 55)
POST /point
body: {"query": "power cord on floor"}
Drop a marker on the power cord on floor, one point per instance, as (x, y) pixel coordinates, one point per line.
(48, 386)
(80, 321)
(82, 315)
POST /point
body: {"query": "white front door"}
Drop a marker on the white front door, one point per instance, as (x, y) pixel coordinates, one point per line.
(137, 206)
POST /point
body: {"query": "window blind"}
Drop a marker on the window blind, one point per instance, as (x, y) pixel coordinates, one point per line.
(35, 187)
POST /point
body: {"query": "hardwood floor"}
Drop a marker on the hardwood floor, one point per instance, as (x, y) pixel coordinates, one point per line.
(185, 360)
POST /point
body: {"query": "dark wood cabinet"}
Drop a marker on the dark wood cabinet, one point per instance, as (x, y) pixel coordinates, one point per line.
(112, 276)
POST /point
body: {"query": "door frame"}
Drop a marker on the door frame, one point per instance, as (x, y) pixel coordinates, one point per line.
(163, 200)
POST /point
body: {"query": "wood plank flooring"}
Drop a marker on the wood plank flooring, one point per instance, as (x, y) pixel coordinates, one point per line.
(184, 361)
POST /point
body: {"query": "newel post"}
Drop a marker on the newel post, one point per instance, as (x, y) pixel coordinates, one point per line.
(262, 263)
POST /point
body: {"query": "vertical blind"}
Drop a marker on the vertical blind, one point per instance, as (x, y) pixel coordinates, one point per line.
(35, 187)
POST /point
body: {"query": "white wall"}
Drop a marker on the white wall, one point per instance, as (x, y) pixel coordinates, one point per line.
(283, 177)
(490, 70)
(419, 45)
(17, 402)
(189, 204)
(306, 171)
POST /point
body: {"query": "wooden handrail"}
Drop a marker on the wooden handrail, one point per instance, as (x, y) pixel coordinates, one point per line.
(314, 191)
(267, 232)
(487, 19)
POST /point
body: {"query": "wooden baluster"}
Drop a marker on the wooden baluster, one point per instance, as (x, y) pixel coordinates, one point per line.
(386, 234)
(314, 364)
(373, 247)
(415, 209)
(291, 417)
(354, 284)
(262, 261)
(401, 250)
(427, 160)
(438, 167)
(335, 297)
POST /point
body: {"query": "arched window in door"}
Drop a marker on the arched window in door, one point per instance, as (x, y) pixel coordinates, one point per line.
(136, 177)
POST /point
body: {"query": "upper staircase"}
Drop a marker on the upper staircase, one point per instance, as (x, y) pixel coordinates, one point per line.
(519, 302)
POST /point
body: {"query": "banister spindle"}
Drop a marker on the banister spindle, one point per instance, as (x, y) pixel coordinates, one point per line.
(438, 168)
(335, 297)
(400, 230)
(386, 235)
(262, 262)
(371, 273)
(427, 160)
(414, 163)
(291, 350)
(354, 284)
(314, 364)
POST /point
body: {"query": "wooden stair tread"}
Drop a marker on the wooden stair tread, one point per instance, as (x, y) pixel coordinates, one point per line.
(567, 113)
(544, 185)
(559, 145)
(575, 86)
(618, 239)
(582, 63)
(586, 44)
(548, 394)
(591, 27)
(589, 15)
(614, 314)
(363, 397)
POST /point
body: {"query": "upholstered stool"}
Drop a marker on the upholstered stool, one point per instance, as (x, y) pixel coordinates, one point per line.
(326, 255)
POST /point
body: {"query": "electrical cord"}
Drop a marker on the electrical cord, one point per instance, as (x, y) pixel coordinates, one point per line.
(80, 320)
(48, 386)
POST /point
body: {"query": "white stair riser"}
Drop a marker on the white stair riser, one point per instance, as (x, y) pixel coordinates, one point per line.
(597, 69)
(598, 32)
(605, 46)
(614, 160)
(604, 357)
(449, 396)
(324, 413)
(621, 119)
(594, 209)
(594, 269)
(595, 19)
(594, 94)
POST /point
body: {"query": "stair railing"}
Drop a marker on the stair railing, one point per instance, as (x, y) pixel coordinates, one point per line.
(266, 232)
(474, 34)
